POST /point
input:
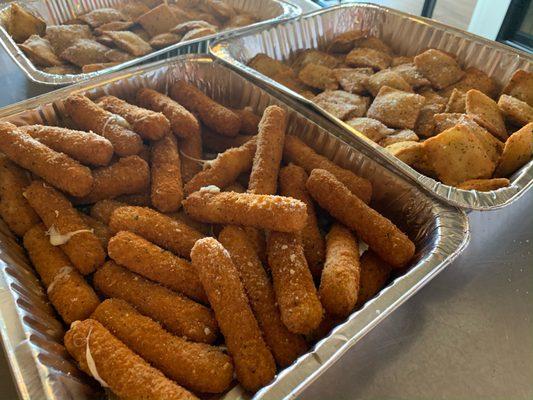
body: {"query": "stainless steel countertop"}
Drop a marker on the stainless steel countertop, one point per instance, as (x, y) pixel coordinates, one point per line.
(468, 334)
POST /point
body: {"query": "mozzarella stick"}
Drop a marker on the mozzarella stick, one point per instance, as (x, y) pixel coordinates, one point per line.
(108, 360)
(270, 139)
(285, 345)
(147, 124)
(164, 231)
(212, 114)
(297, 297)
(374, 275)
(254, 364)
(249, 120)
(191, 154)
(178, 314)
(65, 227)
(219, 144)
(197, 366)
(68, 292)
(292, 180)
(90, 117)
(14, 208)
(381, 235)
(182, 122)
(128, 175)
(86, 147)
(224, 169)
(151, 261)
(103, 209)
(56, 168)
(339, 283)
(167, 189)
(297, 152)
(276, 213)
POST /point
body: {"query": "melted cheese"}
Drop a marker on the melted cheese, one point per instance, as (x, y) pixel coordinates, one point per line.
(92, 365)
(58, 239)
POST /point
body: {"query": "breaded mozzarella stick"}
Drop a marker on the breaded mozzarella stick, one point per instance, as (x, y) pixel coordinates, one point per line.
(197, 366)
(108, 360)
(254, 364)
(56, 168)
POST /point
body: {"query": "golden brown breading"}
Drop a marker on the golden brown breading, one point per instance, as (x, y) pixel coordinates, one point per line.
(254, 364)
(378, 232)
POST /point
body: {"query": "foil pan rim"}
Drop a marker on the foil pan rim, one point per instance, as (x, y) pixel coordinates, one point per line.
(289, 11)
(521, 181)
(451, 227)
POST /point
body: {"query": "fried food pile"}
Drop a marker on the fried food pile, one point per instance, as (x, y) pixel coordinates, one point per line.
(173, 270)
(451, 124)
(108, 36)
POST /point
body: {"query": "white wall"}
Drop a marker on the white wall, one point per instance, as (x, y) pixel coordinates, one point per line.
(488, 17)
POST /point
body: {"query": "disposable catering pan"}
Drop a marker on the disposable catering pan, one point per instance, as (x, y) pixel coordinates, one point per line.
(407, 35)
(31, 331)
(58, 11)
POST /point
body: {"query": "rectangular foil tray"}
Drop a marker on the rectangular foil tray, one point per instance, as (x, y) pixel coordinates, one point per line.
(406, 34)
(58, 11)
(32, 333)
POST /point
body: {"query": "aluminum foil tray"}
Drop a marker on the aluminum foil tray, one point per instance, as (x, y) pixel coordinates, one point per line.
(58, 11)
(406, 34)
(31, 331)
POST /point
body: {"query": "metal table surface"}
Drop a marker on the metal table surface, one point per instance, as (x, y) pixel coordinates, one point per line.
(468, 334)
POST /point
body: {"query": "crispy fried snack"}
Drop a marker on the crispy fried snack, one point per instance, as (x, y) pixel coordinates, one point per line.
(218, 143)
(167, 188)
(296, 295)
(90, 117)
(183, 123)
(224, 169)
(298, 152)
(254, 364)
(285, 345)
(486, 113)
(128, 175)
(166, 232)
(458, 154)
(440, 68)
(151, 261)
(212, 114)
(70, 295)
(108, 360)
(374, 273)
(65, 227)
(197, 366)
(86, 147)
(276, 213)
(484, 185)
(181, 316)
(292, 180)
(14, 208)
(381, 235)
(270, 140)
(517, 152)
(148, 124)
(56, 168)
(102, 210)
(339, 283)
(191, 152)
